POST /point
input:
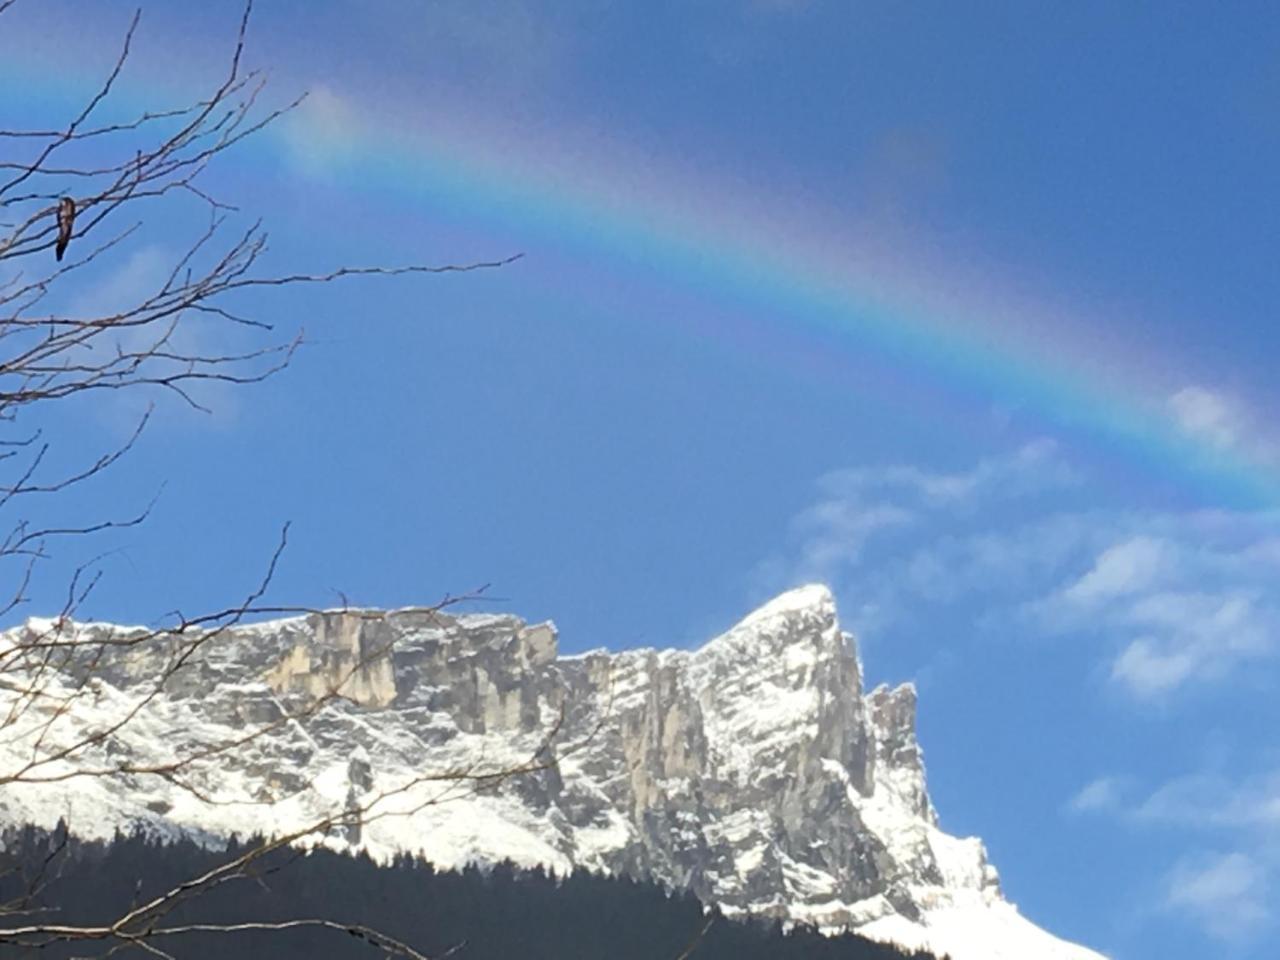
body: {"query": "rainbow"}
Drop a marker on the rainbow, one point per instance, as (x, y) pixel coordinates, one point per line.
(799, 279)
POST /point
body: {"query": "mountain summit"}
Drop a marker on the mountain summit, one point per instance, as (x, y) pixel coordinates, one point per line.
(754, 771)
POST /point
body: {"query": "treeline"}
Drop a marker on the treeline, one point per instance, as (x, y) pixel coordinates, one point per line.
(496, 913)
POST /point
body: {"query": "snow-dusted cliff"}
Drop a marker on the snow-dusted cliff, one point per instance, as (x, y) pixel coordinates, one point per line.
(754, 770)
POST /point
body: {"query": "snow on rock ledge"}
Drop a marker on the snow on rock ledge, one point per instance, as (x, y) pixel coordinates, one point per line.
(753, 771)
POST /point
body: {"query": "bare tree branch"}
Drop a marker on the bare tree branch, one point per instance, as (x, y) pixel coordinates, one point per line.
(105, 172)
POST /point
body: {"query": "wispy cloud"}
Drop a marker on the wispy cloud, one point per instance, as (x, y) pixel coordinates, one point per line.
(1000, 562)
(1197, 635)
(123, 286)
(857, 505)
(1208, 801)
(1167, 602)
(1182, 600)
(1121, 569)
(1032, 467)
(1223, 421)
(877, 535)
(835, 531)
(1224, 888)
(323, 132)
(1228, 894)
(1104, 793)
(1208, 415)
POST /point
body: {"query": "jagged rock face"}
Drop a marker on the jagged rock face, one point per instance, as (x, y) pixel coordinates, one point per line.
(741, 767)
(753, 771)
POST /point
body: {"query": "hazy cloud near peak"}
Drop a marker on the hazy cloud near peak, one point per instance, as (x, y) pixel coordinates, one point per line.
(1033, 466)
(860, 505)
(1167, 602)
(836, 531)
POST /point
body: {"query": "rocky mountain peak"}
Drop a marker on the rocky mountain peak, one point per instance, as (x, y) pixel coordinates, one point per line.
(752, 770)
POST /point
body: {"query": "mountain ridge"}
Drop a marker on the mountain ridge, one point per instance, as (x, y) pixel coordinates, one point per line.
(753, 771)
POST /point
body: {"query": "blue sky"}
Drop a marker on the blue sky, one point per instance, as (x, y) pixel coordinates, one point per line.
(1049, 504)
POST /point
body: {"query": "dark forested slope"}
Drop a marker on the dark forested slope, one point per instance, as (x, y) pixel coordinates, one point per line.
(496, 914)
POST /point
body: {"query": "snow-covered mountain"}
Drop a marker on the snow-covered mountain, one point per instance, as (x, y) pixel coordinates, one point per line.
(754, 770)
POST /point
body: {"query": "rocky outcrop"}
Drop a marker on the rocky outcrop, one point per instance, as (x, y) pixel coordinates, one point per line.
(753, 771)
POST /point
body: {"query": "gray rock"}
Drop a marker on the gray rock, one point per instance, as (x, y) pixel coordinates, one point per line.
(753, 771)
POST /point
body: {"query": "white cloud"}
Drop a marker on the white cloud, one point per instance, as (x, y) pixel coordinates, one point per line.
(322, 132)
(1173, 602)
(992, 562)
(1226, 893)
(1221, 421)
(1104, 793)
(1208, 415)
(1183, 600)
(1201, 635)
(835, 532)
(1149, 669)
(1165, 603)
(136, 279)
(1127, 567)
(1208, 801)
(1204, 802)
(1033, 467)
(860, 506)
